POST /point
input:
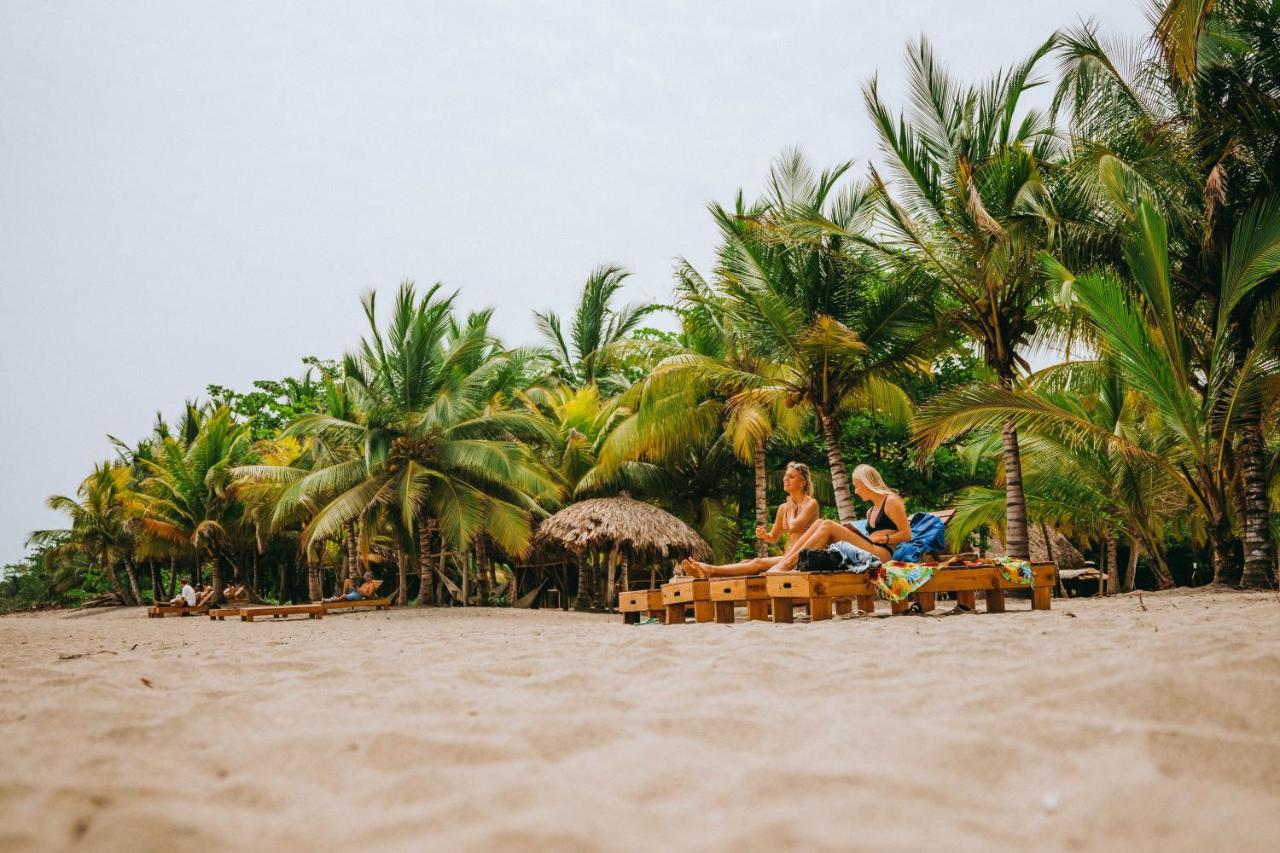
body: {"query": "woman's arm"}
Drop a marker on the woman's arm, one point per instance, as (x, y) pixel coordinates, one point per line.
(772, 535)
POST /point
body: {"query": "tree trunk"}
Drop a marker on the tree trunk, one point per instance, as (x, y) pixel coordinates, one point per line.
(157, 586)
(1015, 502)
(173, 577)
(132, 573)
(840, 477)
(1113, 566)
(350, 562)
(464, 566)
(582, 602)
(762, 497)
(402, 577)
(426, 528)
(625, 574)
(1259, 551)
(1131, 568)
(314, 591)
(611, 585)
(216, 580)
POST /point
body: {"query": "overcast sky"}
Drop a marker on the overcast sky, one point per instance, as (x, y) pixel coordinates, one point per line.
(195, 193)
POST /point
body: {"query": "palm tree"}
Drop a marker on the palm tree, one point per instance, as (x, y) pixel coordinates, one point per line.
(589, 354)
(971, 209)
(802, 297)
(1194, 412)
(430, 440)
(99, 527)
(187, 498)
(1190, 119)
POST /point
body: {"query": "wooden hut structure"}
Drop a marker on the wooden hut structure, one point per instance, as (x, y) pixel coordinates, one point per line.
(615, 534)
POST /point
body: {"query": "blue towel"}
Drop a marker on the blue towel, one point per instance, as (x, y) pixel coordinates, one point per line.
(928, 536)
(855, 559)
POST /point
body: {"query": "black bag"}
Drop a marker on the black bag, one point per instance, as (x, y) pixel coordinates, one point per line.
(820, 560)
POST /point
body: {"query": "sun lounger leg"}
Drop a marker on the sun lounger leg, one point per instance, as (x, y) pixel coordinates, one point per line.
(704, 611)
(867, 603)
(675, 614)
(758, 610)
(660, 615)
(819, 609)
(926, 600)
(969, 599)
(995, 601)
(897, 607)
(724, 612)
(843, 606)
(1041, 597)
(631, 618)
(784, 610)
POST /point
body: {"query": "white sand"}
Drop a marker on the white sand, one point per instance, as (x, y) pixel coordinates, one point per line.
(1114, 729)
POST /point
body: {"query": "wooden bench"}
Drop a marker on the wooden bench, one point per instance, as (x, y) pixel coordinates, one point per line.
(221, 613)
(162, 610)
(678, 595)
(728, 593)
(965, 582)
(639, 603)
(344, 604)
(312, 611)
(822, 592)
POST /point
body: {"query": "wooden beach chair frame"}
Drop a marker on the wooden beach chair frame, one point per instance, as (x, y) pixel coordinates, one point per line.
(640, 603)
(728, 594)
(161, 610)
(383, 603)
(311, 611)
(685, 592)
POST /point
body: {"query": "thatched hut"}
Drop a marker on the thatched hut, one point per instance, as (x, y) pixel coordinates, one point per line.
(616, 533)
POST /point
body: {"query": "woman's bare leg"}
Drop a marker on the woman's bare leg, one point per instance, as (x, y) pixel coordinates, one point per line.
(732, 570)
(823, 534)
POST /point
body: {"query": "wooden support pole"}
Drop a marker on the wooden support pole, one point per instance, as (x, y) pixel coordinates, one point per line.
(758, 610)
(1041, 598)
(819, 608)
(867, 604)
(724, 612)
(926, 600)
(704, 611)
(995, 600)
(783, 610)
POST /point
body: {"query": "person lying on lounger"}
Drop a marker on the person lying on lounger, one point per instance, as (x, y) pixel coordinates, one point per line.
(887, 526)
(795, 518)
(352, 592)
(186, 597)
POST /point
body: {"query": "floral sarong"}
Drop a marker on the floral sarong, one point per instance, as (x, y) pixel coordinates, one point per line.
(898, 580)
(1015, 571)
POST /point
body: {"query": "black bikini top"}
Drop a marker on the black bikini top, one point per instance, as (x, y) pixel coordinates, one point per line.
(882, 521)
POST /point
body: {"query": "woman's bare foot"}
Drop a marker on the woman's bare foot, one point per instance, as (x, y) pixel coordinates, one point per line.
(694, 569)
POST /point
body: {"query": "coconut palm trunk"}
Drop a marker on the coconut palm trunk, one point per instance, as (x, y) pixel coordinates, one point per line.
(216, 580)
(131, 571)
(1131, 568)
(1016, 540)
(1113, 565)
(426, 530)
(762, 496)
(1259, 551)
(402, 577)
(840, 477)
(173, 576)
(350, 566)
(314, 590)
(157, 587)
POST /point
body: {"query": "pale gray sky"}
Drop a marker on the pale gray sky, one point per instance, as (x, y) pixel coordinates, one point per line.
(195, 193)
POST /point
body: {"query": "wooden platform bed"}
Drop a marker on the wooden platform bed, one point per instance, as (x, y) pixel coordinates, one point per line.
(344, 604)
(162, 610)
(777, 595)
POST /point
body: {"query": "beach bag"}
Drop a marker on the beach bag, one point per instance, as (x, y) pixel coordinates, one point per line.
(820, 560)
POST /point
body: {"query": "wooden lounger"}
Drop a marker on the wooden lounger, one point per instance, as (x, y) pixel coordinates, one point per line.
(639, 603)
(162, 610)
(728, 593)
(221, 613)
(967, 581)
(312, 611)
(678, 595)
(344, 604)
(822, 592)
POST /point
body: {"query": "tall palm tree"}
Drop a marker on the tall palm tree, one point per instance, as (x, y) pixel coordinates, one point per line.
(803, 296)
(1190, 119)
(430, 441)
(187, 498)
(589, 354)
(99, 527)
(1153, 349)
(970, 210)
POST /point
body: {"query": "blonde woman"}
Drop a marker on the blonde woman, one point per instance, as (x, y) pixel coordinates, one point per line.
(795, 517)
(887, 523)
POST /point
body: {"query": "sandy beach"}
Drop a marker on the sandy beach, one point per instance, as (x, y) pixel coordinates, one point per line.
(1098, 725)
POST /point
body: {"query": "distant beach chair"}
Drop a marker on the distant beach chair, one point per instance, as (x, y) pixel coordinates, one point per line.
(382, 603)
(162, 610)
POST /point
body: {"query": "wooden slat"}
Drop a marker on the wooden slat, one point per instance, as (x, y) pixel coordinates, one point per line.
(344, 604)
(313, 611)
(640, 600)
(975, 579)
(686, 591)
(739, 589)
(818, 584)
(162, 610)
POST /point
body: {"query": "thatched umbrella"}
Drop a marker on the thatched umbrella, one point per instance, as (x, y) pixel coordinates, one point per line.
(613, 525)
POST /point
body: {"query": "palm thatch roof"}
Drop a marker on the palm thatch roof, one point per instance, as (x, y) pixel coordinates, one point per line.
(642, 530)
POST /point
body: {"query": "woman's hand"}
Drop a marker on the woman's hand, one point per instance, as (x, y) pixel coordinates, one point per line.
(762, 534)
